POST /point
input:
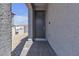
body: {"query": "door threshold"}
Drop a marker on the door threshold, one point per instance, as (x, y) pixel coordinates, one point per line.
(40, 39)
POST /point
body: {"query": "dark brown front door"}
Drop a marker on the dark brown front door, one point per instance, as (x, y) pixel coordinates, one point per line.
(40, 24)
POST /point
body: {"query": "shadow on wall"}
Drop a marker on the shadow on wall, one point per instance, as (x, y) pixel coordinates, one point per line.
(17, 51)
(41, 48)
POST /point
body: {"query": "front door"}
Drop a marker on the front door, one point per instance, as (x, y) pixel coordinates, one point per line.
(39, 24)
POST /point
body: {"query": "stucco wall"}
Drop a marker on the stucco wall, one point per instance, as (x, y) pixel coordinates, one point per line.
(5, 30)
(30, 22)
(63, 30)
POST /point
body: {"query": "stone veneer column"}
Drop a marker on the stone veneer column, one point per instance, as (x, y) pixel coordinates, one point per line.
(5, 29)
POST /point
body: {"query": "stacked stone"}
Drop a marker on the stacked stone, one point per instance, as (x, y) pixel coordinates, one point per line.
(5, 29)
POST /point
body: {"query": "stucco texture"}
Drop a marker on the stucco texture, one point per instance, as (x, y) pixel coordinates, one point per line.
(63, 30)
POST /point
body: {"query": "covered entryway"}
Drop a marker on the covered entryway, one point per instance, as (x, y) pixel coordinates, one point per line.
(39, 46)
(36, 43)
(39, 22)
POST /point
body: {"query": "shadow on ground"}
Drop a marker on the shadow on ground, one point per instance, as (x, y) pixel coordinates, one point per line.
(17, 51)
(41, 48)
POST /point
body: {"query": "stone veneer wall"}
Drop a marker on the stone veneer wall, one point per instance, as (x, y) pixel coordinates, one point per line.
(5, 29)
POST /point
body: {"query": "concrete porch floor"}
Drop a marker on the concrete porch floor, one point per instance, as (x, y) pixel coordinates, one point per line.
(40, 48)
(36, 48)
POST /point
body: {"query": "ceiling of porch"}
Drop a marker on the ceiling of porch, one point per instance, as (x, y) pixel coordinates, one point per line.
(40, 6)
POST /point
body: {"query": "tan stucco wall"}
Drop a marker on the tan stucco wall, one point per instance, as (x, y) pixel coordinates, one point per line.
(17, 38)
(63, 30)
(5, 30)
